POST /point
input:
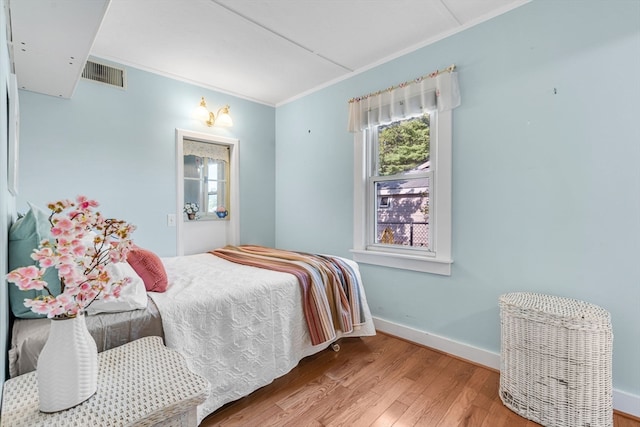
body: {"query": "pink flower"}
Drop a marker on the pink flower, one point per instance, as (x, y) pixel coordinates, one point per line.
(37, 306)
(63, 242)
(14, 277)
(42, 253)
(80, 264)
(65, 269)
(38, 285)
(79, 250)
(45, 257)
(62, 226)
(27, 278)
(30, 272)
(84, 203)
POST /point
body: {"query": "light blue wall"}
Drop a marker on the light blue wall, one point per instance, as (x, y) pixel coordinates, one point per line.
(546, 182)
(118, 147)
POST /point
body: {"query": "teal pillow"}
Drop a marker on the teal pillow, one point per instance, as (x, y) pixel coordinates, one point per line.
(24, 236)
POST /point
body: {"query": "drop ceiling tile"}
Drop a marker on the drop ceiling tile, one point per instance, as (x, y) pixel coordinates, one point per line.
(218, 49)
(354, 33)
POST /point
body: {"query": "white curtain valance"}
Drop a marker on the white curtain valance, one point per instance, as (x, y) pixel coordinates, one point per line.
(438, 90)
(205, 149)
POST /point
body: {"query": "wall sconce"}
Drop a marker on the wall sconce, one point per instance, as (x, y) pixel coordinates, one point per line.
(221, 118)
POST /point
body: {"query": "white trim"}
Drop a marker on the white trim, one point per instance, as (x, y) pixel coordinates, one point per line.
(622, 401)
(455, 348)
(441, 205)
(403, 261)
(233, 228)
(626, 402)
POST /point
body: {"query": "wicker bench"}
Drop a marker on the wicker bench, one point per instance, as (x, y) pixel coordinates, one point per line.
(141, 383)
(555, 366)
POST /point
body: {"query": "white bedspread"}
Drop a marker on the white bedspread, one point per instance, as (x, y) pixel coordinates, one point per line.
(240, 327)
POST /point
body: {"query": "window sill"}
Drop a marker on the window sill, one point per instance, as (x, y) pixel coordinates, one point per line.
(403, 261)
(205, 219)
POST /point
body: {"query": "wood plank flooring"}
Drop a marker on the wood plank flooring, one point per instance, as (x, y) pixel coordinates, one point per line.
(378, 381)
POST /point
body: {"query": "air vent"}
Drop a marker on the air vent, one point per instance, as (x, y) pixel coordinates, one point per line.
(104, 74)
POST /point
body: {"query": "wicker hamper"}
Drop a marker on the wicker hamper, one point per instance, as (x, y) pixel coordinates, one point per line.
(555, 366)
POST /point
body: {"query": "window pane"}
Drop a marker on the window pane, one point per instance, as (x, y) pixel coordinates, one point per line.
(403, 146)
(216, 184)
(192, 191)
(216, 168)
(192, 166)
(192, 181)
(402, 212)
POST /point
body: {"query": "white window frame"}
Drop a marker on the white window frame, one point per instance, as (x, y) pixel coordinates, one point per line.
(438, 260)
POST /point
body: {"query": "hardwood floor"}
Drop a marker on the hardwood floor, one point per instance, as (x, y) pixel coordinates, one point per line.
(378, 381)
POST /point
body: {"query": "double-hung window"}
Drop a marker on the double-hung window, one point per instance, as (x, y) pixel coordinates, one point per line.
(398, 188)
(402, 182)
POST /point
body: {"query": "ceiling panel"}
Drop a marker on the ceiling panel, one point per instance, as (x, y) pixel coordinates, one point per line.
(269, 51)
(353, 33)
(217, 49)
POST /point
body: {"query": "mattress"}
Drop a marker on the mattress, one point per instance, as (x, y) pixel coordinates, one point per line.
(109, 330)
(240, 327)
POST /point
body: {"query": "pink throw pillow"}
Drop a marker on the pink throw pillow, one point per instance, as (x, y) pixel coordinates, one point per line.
(149, 267)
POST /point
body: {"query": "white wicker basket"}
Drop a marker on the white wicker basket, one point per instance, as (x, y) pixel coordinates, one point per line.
(555, 366)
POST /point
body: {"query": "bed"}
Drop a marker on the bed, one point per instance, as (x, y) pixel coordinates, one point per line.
(109, 330)
(239, 326)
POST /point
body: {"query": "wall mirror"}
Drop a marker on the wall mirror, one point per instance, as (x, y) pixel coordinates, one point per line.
(206, 180)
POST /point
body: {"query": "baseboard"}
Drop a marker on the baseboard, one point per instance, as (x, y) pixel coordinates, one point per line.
(622, 401)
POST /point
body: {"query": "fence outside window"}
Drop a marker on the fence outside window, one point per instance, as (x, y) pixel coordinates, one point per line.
(415, 234)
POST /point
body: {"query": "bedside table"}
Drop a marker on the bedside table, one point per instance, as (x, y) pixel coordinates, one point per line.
(141, 383)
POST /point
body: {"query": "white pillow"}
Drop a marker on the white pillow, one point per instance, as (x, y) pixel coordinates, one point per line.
(133, 296)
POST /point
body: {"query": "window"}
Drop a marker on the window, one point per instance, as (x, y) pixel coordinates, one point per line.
(402, 173)
(403, 196)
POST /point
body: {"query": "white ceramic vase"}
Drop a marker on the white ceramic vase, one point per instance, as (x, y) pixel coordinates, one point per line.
(67, 370)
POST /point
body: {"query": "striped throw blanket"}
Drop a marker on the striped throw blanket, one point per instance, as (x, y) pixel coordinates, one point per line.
(331, 296)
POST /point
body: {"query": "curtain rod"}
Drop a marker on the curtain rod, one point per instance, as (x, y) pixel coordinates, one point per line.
(449, 69)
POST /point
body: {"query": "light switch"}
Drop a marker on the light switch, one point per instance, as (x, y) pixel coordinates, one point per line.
(171, 220)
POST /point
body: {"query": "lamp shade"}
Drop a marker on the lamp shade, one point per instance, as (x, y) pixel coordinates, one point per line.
(201, 113)
(224, 119)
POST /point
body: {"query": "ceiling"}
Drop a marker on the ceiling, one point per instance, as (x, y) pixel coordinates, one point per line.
(269, 51)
